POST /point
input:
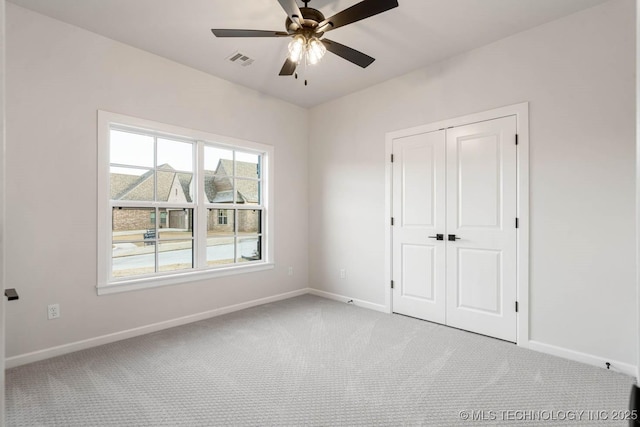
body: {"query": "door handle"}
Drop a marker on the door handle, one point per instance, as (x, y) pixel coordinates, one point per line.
(453, 238)
(437, 237)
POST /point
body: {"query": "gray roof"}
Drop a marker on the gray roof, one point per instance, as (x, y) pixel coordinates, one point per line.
(131, 187)
(218, 187)
(120, 183)
(223, 197)
(185, 182)
(243, 169)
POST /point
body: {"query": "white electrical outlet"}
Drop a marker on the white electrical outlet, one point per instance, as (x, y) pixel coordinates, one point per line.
(290, 271)
(53, 311)
(343, 273)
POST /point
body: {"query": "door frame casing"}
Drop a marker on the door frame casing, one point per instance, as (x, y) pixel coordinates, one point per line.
(521, 112)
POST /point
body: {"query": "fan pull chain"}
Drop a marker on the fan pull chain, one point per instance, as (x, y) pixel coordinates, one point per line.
(303, 69)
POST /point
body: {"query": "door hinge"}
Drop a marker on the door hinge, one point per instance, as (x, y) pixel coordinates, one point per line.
(517, 222)
(516, 139)
(391, 220)
(392, 284)
(516, 306)
(392, 158)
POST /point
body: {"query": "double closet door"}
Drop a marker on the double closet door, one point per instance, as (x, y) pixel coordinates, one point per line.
(454, 235)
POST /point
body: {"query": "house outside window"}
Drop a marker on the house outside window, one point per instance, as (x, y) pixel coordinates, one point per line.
(178, 205)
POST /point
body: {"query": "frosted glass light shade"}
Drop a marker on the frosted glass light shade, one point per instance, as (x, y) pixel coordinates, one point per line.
(315, 51)
(297, 48)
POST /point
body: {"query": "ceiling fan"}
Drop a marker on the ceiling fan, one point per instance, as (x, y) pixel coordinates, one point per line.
(307, 26)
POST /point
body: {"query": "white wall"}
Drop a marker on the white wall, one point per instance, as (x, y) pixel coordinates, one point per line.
(578, 75)
(58, 76)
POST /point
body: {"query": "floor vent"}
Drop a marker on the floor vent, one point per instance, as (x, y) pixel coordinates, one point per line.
(240, 59)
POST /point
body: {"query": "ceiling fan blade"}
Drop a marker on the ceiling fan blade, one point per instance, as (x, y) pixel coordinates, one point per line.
(348, 53)
(248, 33)
(357, 12)
(292, 9)
(288, 68)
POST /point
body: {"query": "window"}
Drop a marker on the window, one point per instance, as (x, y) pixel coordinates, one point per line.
(178, 205)
(223, 219)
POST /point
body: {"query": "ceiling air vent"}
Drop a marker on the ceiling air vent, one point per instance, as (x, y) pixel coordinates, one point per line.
(240, 59)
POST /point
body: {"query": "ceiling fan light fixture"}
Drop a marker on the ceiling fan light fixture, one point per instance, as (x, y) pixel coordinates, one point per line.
(297, 48)
(315, 51)
(308, 25)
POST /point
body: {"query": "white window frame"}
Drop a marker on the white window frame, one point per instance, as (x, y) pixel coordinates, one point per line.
(108, 285)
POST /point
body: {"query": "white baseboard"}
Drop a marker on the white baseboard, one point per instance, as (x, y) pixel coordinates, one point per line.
(342, 298)
(577, 356)
(23, 359)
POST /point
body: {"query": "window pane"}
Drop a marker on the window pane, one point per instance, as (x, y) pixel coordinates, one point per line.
(133, 224)
(220, 251)
(131, 149)
(248, 192)
(176, 223)
(175, 255)
(247, 165)
(249, 248)
(175, 187)
(175, 155)
(249, 221)
(218, 160)
(131, 184)
(220, 222)
(133, 259)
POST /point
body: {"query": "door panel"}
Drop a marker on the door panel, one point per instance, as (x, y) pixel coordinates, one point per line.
(478, 182)
(418, 272)
(481, 212)
(419, 212)
(479, 281)
(417, 161)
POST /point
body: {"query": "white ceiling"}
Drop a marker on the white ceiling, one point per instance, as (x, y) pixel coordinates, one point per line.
(413, 35)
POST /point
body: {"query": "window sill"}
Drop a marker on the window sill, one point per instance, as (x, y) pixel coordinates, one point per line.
(174, 279)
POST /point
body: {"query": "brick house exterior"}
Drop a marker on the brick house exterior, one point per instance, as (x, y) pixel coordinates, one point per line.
(177, 187)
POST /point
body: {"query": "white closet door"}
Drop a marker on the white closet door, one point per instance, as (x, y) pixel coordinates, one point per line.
(419, 215)
(481, 215)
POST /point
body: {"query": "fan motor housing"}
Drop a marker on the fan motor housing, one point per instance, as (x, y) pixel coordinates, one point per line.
(311, 18)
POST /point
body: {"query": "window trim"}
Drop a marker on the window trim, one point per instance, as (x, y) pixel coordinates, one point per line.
(105, 121)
